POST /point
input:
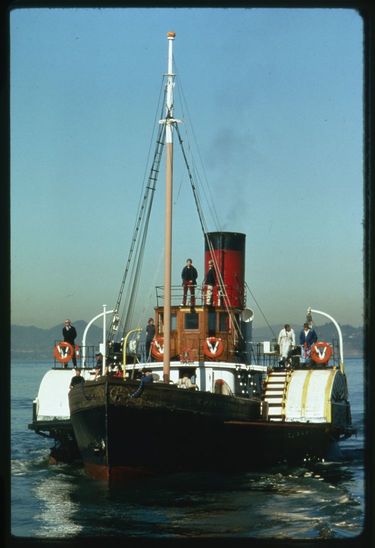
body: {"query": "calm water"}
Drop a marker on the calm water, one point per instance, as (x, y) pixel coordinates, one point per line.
(324, 500)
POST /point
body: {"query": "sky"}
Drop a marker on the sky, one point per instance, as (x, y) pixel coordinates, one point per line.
(271, 102)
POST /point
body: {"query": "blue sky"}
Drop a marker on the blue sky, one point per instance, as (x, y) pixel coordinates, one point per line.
(275, 117)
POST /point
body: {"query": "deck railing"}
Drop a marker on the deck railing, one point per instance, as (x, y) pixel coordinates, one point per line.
(177, 294)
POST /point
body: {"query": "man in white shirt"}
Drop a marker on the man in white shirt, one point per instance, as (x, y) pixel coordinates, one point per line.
(286, 341)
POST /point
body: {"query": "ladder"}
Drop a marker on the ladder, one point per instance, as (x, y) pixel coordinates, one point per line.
(274, 394)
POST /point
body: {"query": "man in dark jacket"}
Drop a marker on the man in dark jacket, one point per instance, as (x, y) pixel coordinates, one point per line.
(189, 277)
(77, 379)
(307, 338)
(210, 282)
(146, 378)
(150, 334)
(69, 333)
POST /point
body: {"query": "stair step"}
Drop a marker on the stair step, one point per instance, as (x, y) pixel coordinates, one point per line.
(274, 400)
(275, 410)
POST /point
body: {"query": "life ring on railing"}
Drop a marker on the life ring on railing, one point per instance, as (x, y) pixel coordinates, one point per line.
(321, 352)
(213, 347)
(63, 352)
(157, 348)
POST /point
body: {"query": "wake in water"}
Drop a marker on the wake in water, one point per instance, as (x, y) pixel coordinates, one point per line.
(318, 500)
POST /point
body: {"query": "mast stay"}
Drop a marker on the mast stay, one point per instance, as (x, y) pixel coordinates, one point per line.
(136, 253)
(209, 243)
(137, 244)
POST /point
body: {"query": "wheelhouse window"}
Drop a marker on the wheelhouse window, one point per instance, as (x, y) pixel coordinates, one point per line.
(191, 320)
(211, 321)
(173, 322)
(160, 322)
(223, 321)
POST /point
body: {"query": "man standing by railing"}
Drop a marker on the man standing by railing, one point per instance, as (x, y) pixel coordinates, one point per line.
(69, 333)
(189, 277)
(307, 338)
(210, 282)
(150, 334)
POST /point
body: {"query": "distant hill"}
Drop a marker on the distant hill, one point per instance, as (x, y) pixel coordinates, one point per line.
(30, 342)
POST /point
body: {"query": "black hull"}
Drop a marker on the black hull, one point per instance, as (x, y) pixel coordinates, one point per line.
(173, 429)
(65, 448)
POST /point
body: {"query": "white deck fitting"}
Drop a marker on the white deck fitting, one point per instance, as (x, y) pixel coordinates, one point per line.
(307, 396)
(52, 399)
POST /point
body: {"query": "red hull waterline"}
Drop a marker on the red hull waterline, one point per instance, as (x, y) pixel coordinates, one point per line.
(116, 474)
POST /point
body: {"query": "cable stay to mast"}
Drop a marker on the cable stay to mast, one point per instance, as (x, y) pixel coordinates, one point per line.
(205, 233)
(211, 207)
(213, 212)
(189, 129)
(261, 311)
(121, 325)
(137, 245)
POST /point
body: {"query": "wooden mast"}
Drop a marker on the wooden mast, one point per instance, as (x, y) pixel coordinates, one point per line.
(169, 122)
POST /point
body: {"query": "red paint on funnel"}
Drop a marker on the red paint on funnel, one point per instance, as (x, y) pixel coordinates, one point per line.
(229, 256)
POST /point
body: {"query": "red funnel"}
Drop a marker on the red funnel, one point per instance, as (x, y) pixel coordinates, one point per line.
(229, 255)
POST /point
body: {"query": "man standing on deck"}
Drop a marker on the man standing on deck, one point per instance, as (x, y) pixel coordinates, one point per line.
(286, 341)
(150, 334)
(210, 282)
(307, 338)
(189, 277)
(69, 333)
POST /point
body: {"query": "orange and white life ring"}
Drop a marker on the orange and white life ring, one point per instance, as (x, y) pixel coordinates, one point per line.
(321, 352)
(157, 348)
(213, 347)
(63, 352)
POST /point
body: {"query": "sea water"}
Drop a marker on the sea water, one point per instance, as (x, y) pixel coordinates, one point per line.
(313, 501)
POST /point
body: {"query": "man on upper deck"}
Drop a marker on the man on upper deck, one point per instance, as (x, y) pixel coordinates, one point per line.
(189, 277)
(210, 282)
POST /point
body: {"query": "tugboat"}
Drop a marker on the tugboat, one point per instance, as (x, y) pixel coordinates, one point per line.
(208, 396)
(212, 400)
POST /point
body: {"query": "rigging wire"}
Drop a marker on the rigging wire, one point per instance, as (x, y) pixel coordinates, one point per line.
(210, 203)
(150, 299)
(142, 224)
(206, 189)
(142, 220)
(212, 208)
(141, 233)
(209, 243)
(260, 310)
(136, 275)
(157, 116)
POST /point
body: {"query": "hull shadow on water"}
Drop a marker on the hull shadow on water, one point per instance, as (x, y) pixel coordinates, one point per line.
(311, 501)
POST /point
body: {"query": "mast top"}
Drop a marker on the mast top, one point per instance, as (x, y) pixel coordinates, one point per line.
(171, 35)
